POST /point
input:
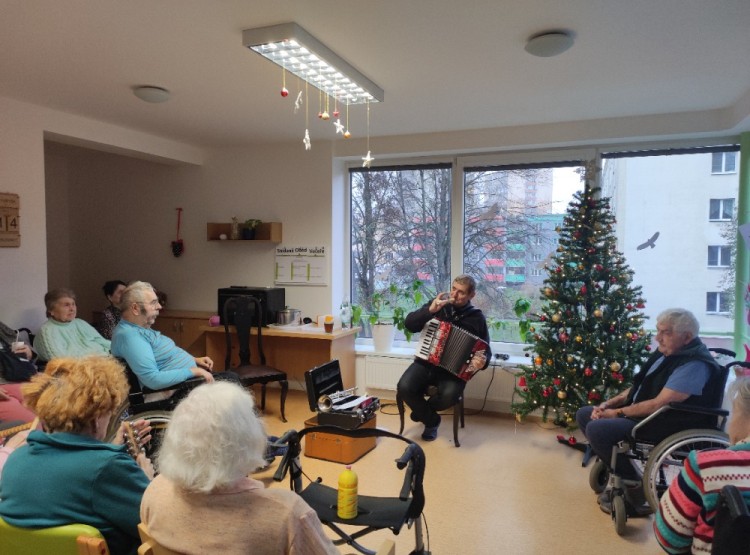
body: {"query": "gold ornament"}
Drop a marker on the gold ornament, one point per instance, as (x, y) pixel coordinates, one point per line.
(570, 359)
(550, 361)
(629, 335)
(547, 291)
(538, 361)
(615, 366)
(598, 313)
(556, 317)
(579, 339)
(561, 395)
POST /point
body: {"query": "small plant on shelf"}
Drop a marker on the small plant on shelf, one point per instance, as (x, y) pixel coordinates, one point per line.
(249, 227)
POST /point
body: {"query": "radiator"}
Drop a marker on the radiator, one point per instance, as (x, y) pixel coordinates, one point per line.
(384, 372)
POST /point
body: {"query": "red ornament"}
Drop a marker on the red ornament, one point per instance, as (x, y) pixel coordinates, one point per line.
(522, 381)
(594, 396)
(583, 290)
(320, 114)
(564, 337)
(613, 279)
(588, 372)
(572, 440)
(542, 318)
(648, 347)
(629, 306)
(640, 305)
(335, 113)
(556, 381)
(533, 375)
(284, 92)
(545, 393)
(591, 250)
(599, 267)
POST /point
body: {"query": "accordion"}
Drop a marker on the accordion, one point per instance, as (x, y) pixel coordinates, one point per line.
(449, 347)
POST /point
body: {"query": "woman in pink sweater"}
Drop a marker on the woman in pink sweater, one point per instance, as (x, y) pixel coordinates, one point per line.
(203, 500)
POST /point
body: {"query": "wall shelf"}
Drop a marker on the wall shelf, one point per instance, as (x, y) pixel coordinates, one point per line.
(268, 232)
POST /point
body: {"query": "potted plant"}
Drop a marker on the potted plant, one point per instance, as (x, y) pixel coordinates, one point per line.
(388, 310)
(248, 229)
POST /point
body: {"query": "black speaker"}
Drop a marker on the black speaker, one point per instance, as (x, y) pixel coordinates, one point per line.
(271, 300)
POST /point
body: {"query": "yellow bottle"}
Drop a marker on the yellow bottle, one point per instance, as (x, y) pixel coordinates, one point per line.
(347, 498)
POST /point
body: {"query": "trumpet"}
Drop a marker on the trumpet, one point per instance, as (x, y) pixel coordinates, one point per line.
(326, 402)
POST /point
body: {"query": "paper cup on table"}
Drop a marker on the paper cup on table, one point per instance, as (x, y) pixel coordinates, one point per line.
(328, 323)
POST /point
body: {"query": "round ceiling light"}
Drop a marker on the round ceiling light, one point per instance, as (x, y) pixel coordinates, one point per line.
(150, 93)
(549, 43)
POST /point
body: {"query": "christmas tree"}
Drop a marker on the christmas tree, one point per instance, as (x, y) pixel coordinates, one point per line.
(588, 338)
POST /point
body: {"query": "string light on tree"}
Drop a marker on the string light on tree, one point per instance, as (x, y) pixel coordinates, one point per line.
(589, 332)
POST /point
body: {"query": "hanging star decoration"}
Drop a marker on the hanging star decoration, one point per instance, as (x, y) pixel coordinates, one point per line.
(339, 126)
(298, 102)
(306, 140)
(367, 160)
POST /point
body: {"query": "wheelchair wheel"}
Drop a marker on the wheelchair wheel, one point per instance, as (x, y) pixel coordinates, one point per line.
(599, 476)
(619, 513)
(665, 460)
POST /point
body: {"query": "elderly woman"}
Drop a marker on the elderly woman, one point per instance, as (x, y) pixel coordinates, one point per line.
(203, 501)
(68, 474)
(64, 335)
(685, 520)
(111, 315)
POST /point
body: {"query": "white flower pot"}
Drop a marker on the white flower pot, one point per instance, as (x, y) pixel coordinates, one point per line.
(382, 337)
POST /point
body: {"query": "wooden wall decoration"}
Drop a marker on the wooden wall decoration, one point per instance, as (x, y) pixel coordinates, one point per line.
(10, 227)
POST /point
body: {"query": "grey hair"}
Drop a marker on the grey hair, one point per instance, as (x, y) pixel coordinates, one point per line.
(468, 281)
(681, 320)
(51, 298)
(213, 439)
(739, 394)
(134, 293)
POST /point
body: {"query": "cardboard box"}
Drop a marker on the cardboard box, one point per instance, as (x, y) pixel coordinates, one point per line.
(337, 448)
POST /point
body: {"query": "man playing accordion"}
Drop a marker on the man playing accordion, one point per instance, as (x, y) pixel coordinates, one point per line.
(455, 308)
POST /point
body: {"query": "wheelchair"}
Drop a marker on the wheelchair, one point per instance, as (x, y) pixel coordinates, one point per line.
(373, 513)
(157, 413)
(660, 454)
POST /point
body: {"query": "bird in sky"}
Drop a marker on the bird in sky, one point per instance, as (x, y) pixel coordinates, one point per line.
(650, 243)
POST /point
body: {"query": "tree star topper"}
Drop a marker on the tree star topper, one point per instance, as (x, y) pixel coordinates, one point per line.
(367, 160)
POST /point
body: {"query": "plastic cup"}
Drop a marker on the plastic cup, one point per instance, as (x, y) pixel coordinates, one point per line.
(328, 327)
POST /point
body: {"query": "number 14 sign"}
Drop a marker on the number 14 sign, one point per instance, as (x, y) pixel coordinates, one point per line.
(10, 229)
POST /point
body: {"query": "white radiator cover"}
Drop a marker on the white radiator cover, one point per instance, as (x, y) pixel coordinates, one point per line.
(383, 372)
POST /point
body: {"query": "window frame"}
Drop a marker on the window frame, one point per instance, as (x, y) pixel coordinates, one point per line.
(722, 252)
(722, 209)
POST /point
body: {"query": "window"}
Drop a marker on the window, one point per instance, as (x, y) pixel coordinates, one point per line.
(400, 228)
(717, 303)
(724, 162)
(719, 256)
(536, 257)
(536, 272)
(721, 209)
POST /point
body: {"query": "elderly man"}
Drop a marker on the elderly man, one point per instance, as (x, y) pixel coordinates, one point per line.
(681, 371)
(454, 307)
(153, 357)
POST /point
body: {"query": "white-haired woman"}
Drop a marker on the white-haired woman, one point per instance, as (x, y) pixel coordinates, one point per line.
(203, 500)
(685, 520)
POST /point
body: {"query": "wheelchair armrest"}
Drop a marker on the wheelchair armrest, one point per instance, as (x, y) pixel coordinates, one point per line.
(682, 407)
(698, 410)
(192, 382)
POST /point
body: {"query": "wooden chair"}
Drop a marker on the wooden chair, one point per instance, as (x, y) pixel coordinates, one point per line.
(458, 413)
(149, 546)
(245, 312)
(71, 539)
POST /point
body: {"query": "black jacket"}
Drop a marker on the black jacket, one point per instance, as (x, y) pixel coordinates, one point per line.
(468, 317)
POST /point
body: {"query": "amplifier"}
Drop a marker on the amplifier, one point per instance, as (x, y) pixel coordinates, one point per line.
(271, 300)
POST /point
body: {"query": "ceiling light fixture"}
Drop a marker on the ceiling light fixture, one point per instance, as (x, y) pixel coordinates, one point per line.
(549, 43)
(298, 52)
(149, 93)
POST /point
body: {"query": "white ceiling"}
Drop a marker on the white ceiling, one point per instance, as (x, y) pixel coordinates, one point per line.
(444, 64)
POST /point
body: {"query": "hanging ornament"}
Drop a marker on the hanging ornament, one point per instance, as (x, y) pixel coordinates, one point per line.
(298, 102)
(346, 133)
(284, 91)
(556, 317)
(615, 366)
(522, 381)
(583, 290)
(556, 381)
(538, 361)
(548, 291)
(579, 339)
(570, 359)
(588, 372)
(598, 313)
(306, 140)
(561, 395)
(339, 126)
(367, 160)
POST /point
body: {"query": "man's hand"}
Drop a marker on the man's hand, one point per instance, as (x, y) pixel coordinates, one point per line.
(477, 362)
(439, 302)
(199, 372)
(205, 362)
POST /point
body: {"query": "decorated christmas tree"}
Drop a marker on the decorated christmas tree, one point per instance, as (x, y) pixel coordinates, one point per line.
(588, 337)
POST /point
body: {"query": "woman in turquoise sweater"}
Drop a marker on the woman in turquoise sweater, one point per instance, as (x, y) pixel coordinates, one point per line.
(64, 335)
(68, 474)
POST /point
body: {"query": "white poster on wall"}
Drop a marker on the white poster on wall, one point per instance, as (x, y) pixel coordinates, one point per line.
(301, 266)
